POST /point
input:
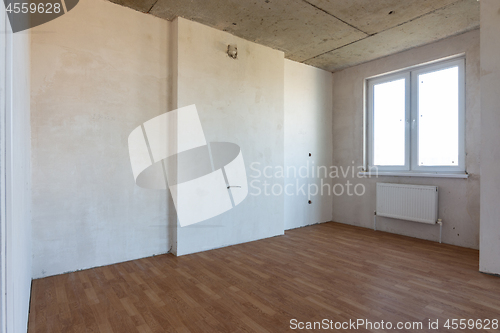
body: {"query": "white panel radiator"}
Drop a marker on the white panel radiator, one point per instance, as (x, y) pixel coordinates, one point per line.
(408, 202)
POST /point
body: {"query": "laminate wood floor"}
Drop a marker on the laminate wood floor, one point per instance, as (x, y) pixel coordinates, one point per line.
(327, 271)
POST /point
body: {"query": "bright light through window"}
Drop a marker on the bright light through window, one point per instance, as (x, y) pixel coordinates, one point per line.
(415, 119)
(389, 123)
(438, 118)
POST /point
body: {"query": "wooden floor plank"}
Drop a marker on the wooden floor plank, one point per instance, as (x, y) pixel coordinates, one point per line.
(330, 270)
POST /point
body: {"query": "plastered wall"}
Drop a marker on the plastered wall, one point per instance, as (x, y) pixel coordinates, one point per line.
(490, 150)
(308, 130)
(15, 171)
(458, 198)
(90, 90)
(239, 101)
(98, 72)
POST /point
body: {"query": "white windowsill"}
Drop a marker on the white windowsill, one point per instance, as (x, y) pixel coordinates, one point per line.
(415, 174)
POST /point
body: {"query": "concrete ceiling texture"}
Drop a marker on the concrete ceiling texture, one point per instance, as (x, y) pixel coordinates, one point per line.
(329, 34)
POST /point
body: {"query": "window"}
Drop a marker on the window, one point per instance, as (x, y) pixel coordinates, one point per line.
(415, 119)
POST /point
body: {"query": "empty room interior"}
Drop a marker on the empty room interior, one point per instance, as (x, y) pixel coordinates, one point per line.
(249, 166)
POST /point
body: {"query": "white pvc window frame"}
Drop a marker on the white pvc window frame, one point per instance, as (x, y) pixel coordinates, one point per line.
(370, 121)
(411, 114)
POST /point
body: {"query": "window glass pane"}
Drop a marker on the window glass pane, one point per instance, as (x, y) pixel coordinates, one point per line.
(389, 123)
(438, 118)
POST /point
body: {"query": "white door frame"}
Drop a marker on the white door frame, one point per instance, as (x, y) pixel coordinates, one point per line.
(6, 40)
(3, 216)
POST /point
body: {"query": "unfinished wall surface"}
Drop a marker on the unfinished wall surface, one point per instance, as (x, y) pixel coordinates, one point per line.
(308, 130)
(239, 101)
(458, 198)
(490, 123)
(98, 72)
(15, 208)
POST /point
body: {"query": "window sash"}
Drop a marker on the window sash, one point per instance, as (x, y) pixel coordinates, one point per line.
(411, 121)
(460, 63)
(371, 123)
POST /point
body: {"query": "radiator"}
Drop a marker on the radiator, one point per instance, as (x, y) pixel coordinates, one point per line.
(408, 202)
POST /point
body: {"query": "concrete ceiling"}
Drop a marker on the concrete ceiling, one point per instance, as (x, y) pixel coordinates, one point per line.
(329, 34)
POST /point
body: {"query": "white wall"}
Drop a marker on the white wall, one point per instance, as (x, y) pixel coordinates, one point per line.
(458, 199)
(15, 169)
(239, 101)
(91, 89)
(308, 129)
(98, 72)
(490, 123)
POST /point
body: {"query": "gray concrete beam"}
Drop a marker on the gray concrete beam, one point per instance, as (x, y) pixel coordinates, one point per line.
(453, 19)
(294, 27)
(139, 5)
(329, 34)
(376, 16)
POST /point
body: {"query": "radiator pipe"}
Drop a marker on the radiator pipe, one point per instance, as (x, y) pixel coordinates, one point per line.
(440, 222)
